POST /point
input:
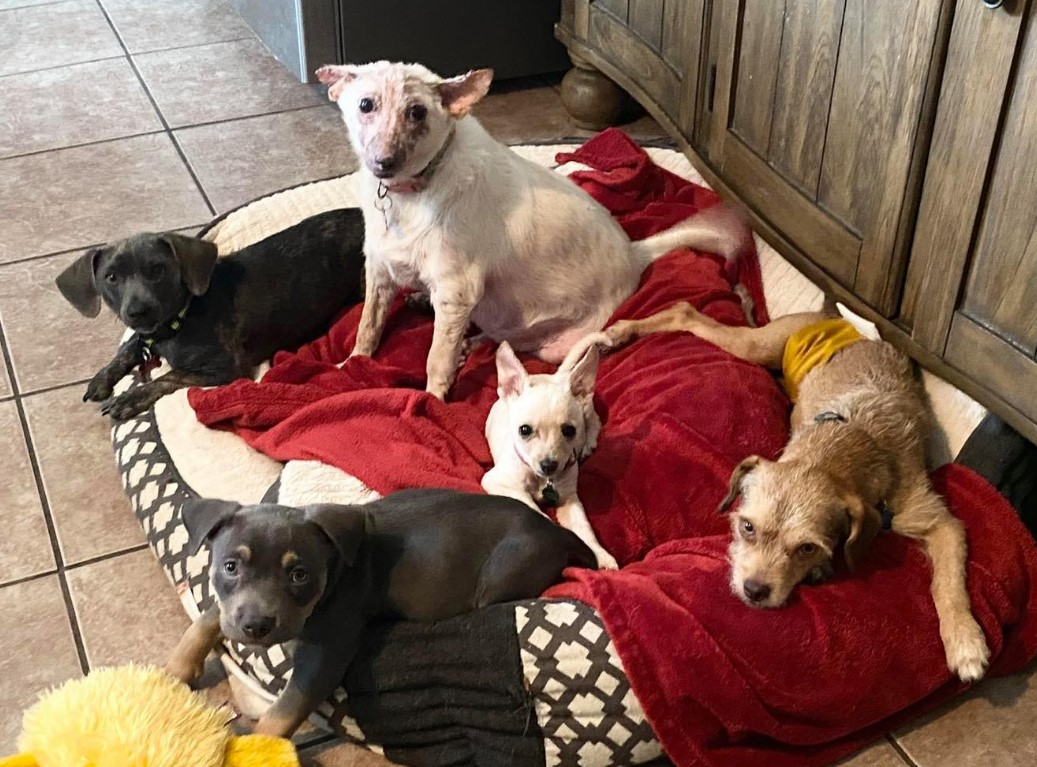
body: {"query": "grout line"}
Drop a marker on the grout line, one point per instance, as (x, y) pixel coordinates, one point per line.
(27, 259)
(31, 5)
(891, 739)
(319, 740)
(28, 578)
(204, 123)
(110, 555)
(189, 45)
(52, 534)
(35, 152)
(56, 66)
(154, 104)
(55, 387)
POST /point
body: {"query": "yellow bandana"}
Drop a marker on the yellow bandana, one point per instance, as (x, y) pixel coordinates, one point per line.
(812, 346)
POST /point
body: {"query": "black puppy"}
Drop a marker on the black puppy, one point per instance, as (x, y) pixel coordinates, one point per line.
(321, 573)
(215, 319)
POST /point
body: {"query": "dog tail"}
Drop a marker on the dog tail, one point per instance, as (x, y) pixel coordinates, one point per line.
(717, 230)
(581, 347)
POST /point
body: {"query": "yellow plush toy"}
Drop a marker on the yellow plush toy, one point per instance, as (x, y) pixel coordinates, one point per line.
(137, 716)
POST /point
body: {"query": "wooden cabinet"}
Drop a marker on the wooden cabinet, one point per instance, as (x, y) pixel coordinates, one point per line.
(887, 148)
(971, 288)
(817, 119)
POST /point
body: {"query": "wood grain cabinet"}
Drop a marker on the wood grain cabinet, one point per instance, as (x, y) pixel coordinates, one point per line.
(887, 147)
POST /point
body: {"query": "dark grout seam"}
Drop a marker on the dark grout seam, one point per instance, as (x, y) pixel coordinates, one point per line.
(900, 750)
(161, 117)
(78, 248)
(48, 517)
(50, 150)
(91, 561)
(56, 66)
(189, 45)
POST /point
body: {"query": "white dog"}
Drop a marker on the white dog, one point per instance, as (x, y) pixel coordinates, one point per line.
(538, 431)
(491, 237)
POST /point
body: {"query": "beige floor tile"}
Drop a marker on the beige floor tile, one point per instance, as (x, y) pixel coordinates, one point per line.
(238, 79)
(50, 342)
(127, 610)
(25, 548)
(992, 726)
(91, 513)
(879, 754)
(53, 35)
(151, 25)
(38, 650)
(71, 105)
(338, 753)
(244, 159)
(91, 194)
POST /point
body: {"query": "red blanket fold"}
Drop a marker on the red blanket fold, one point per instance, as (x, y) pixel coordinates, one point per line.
(722, 684)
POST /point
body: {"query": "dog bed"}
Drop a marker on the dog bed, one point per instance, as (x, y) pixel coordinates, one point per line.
(571, 679)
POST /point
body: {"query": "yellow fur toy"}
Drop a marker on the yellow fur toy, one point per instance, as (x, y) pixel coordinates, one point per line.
(137, 716)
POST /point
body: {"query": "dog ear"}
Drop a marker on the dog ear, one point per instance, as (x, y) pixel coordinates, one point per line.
(344, 526)
(584, 373)
(76, 283)
(197, 258)
(460, 94)
(734, 488)
(864, 523)
(204, 517)
(336, 78)
(511, 375)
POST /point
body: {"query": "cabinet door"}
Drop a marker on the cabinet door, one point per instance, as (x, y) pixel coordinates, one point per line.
(817, 121)
(657, 44)
(972, 284)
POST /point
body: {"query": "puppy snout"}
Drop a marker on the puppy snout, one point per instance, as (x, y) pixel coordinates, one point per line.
(257, 626)
(548, 466)
(755, 591)
(139, 313)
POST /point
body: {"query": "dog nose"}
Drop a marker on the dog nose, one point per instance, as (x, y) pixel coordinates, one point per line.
(756, 591)
(258, 626)
(548, 466)
(386, 163)
(137, 313)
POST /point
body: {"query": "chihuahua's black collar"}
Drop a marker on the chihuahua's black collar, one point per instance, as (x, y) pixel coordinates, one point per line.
(164, 334)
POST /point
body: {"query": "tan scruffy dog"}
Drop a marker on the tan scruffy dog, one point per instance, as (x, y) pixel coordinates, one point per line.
(855, 464)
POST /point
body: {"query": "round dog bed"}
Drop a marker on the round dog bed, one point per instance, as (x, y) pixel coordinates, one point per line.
(536, 682)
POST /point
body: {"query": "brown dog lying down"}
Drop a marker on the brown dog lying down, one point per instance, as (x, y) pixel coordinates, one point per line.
(855, 464)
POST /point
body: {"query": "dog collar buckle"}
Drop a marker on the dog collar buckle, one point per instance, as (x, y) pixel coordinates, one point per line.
(829, 415)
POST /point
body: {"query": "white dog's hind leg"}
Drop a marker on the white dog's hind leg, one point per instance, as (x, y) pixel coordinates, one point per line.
(571, 516)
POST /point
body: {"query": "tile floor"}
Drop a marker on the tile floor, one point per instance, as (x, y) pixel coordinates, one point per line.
(121, 115)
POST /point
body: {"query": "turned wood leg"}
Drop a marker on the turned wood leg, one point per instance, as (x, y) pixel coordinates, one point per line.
(591, 99)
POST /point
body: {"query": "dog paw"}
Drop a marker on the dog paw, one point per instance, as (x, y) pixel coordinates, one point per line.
(185, 671)
(618, 334)
(605, 560)
(967, 651)
(123, 407)
(99, 389)
(819, 574)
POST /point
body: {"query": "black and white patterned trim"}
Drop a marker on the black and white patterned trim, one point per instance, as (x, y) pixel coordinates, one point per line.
(589, 715)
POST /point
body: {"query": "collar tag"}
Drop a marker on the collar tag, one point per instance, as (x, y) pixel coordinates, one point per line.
(549, 495)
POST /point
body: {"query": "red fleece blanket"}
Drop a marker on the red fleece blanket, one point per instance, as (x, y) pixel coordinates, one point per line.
(722, 684)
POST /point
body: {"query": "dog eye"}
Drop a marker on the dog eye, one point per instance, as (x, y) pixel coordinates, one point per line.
(155, 271)
(366, 105)
(747, 528)
(568, 431)
(299, 576)
(111, 278)
(230, 567)
(807, 549)
(416, 112)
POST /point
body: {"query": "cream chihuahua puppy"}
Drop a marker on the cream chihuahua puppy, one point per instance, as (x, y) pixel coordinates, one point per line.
(493, 238)
(538, 431)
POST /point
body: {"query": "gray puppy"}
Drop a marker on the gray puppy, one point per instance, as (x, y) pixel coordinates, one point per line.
(319, 574)
(214, 319)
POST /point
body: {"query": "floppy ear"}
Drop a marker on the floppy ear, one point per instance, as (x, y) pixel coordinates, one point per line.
(336, 78)
(460, 94)
(734, 488)
(344, 525)
(865, 523)
(76, 284)
(584, 373)
(511, 376)
(204, 517)
(197, 258)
